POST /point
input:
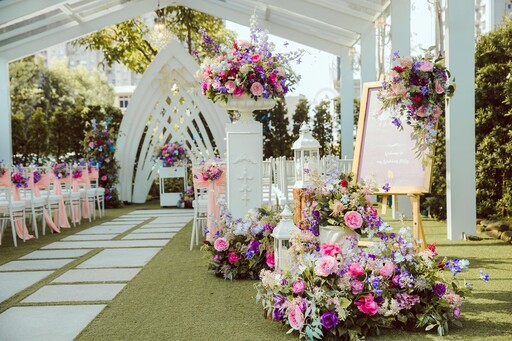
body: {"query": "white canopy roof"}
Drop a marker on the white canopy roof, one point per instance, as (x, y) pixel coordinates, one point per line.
(27, 27)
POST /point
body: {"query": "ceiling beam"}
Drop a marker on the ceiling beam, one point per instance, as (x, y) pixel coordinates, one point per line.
(16, 11)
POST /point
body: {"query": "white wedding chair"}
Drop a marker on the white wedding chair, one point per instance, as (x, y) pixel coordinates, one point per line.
(100, 191)
(200, 205)
(11, 211)
(71, 198)
(87, 193)
(33, 205)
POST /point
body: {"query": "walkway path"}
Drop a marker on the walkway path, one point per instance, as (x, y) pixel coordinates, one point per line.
(84, 272)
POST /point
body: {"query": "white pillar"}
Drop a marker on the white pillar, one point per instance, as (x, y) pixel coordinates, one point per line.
(401, 27)
(347, 104)
(460, 120)
(368, 56)
(5, 114)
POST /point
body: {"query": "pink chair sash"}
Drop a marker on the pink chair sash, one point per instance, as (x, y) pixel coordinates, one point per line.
(44, 182)
(87, 208)
(63, 221)
(21, 229)
(74, 188)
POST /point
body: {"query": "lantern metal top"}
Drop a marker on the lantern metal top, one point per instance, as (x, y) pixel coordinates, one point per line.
(305, 140)
(285, 227)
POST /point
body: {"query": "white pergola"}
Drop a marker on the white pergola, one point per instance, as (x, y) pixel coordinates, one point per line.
(334, 26)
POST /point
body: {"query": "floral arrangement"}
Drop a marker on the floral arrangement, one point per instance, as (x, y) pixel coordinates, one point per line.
(99, 144)
(210, 170)
(415, 91)
(36, 174)
(60, 170)
(342, 291)
(243, 247)
(187, 197)
(3, 170)
(247, 67)
(173, 154)
(18, 178)
(76, 172)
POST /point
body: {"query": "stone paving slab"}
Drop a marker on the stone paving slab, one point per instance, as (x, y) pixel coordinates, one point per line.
(36, 264)
(115, 258)
(121, 223)
(56, 323)
(52, 254)
(145, 229)
(140, 236)
(75, 293)
(105, 229)
(97, 275)
(12, 283)
(89, 237)
(157, 212)
(171, 220)
(105, 244)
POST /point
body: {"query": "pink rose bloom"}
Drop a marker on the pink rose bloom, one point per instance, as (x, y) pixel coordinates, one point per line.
(296, 318)
(216, 258)
(230, 85)
(421, 111)
(233, 257)
(427, 66)
(104, 178)
(256, 89)
(91, 144)
(221, 244)
(355, 269)
(439, 87)
(367, 305)
(270, 260)
(406, 62)
(255, 58)
(353, 220)
(239, 91)
(437, 111)
(357, 286)
(216, 85)
(326, 266)
(456, 313)
(387, 270)
(298, 287)
(330, 249)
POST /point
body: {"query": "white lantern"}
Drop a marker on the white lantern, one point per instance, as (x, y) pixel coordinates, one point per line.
(282, 234)
(307, 157)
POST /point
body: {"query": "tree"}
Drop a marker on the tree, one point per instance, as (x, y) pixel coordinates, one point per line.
(322, 129)
(300, 115)
(19, 138)
(127, 43)
(37, 134)
(280, 140)
(59, 134)
(263, 116)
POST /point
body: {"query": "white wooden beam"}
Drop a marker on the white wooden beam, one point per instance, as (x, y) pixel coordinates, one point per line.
(347, 103)
(5, 114)
(16, 11)
(401, 27)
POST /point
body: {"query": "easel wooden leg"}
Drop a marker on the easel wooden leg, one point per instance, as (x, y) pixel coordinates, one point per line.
(384, 207)
(417, 231)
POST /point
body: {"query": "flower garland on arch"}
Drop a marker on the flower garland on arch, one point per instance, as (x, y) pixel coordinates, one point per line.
(415, 91)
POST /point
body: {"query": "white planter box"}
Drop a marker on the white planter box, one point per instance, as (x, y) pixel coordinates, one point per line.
(171, 198)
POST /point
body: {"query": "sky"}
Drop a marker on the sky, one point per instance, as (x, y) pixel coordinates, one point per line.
(317, 67)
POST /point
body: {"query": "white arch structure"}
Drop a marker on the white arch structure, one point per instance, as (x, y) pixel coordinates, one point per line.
(167, 106)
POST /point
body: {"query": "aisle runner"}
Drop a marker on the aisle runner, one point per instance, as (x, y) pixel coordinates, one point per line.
(97, 279)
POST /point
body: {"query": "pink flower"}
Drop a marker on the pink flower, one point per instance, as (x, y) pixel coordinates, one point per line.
(233, 257)
(298, 287)
(239, 91)
(439, 87)
(367, 305)
(216, 258)
(355, 269)
(326, 266)
(256, 89)
(270, 260)
(91, 144)
(387, 270)
(421, 111)
(437, 111)
(357, 286)
(426, 66)
(330, 249)
(353, 220)
(221, 244)
(406, 62)
(104, 178)
(230, 85)
(456, 313)
(296, 318)
(255, 58)
(279, 88)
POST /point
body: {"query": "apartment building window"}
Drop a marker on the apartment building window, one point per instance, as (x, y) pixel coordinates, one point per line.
(123, 102)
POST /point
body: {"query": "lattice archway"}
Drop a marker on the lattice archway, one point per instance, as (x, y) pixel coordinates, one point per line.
(166, 106)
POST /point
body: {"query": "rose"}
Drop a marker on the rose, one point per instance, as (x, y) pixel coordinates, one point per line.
(216, 258)
(344, 183)
(255, 58)
(421, 111)
(439, 87)
(326, 266)
(330, 249)
(426, 66)
(353, 220)
(221, 244)
(367, 305)
(329, 320)
(298, 287)
(296, 318)
(104, 178)
(456, 313)
(233, 257)
(406, 62)
(256, 89)
(387, 269)
(355, 269)
(270, 260)
(357, 286)
(230, 85)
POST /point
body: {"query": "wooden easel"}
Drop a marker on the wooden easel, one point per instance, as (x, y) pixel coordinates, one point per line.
(417, 226)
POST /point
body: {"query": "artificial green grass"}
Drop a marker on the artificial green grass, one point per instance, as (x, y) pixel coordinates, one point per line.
(175, 298)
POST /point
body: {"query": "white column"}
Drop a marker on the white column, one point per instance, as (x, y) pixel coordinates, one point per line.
(460, 120)
(368, 56)
(5, 114)
(244, 167)
(347, 104)
(401, 27)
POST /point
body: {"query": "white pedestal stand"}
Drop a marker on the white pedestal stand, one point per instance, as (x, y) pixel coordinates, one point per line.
(171, 198)
(245, 156)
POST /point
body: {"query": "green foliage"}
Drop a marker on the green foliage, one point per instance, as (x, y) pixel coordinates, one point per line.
(19, 137)
(276, 138)
(38, 134)
(300, 115)
(322, 129)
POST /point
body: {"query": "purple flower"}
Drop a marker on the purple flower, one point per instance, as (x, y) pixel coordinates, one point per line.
(278, 314)
(254, 246)
(386, 187)
(329, 320)
(396, 122)
(279, 300)
(439, 289)
(484, 276)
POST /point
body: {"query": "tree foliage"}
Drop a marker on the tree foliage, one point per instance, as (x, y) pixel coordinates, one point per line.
(276, 137)
(322, 128)
(300, 115)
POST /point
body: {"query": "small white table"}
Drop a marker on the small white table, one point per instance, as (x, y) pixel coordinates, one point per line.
(171, 198)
